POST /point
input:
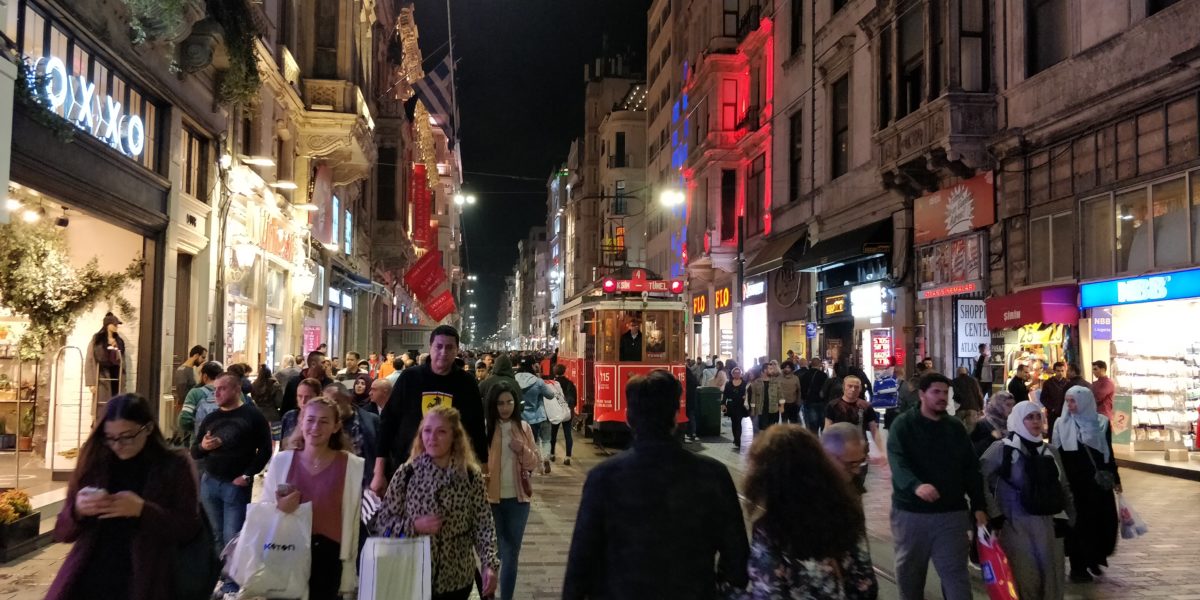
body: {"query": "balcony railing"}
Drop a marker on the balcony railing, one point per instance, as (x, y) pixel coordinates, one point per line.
(752, 119)
(620, 161)
(749, 22)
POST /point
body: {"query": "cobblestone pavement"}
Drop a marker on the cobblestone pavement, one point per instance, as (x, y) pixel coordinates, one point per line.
(1158, 565)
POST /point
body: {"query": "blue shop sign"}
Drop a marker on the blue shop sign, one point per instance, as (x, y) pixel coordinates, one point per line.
(1136, 290)
(810, 330)
(1102, 324)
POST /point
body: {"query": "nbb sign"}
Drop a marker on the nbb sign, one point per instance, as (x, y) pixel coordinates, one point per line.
(1135, 290)
(79, 103)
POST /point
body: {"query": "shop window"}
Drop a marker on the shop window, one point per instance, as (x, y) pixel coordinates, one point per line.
(795, 155)
(1051, 248)
(972, 46)
(1047, 34)
(912, 60)
(1194, 180)
(840, 126)
(1170, 211)
(1097, 228)
(756, 189)
(1133, 236)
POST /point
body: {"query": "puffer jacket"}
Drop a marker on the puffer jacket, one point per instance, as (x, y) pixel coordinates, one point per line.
(534, 393)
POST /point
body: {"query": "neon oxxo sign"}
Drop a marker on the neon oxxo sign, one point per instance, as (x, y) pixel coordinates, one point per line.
(1136, 290)
(84, 108)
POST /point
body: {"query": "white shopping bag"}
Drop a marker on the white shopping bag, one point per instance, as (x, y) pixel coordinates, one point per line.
(557, 409)
(273, 555)
(393, 568)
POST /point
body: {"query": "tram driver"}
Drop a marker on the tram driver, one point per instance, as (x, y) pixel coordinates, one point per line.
(631, 341)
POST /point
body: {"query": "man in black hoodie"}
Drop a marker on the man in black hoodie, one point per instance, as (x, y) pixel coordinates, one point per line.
(420, 388)
(315, 370)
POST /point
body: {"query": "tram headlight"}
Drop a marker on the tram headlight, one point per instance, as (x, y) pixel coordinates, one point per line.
(609, 285)
(676, 287)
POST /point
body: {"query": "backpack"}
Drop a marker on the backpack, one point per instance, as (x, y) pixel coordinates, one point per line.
(206, 406)
(1042, 493)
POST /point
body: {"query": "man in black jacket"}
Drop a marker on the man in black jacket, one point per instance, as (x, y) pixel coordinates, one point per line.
(315, 370)
(654, 520)
(420, 388)
(814, 402)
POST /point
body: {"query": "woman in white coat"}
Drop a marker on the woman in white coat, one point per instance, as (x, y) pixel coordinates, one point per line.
(322, 470)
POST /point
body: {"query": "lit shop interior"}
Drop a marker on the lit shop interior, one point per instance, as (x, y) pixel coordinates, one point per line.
(1034, 328)
(47, 402)
(1146, 329)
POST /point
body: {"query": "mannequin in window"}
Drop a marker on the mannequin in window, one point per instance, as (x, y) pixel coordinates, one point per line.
(631, 342)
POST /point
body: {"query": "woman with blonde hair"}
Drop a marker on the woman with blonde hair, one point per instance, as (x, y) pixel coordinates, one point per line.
(319, 468)
(440, 493)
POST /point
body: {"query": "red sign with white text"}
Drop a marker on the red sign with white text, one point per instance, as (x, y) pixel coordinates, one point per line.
(639, 283)
(881, 348)
(425, 276)
(418, 197)
(964, 206)
(312, 338)
(439, 307)
(606, 389)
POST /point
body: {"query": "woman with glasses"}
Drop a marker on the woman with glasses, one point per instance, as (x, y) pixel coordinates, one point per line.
(514, 457)
(131, 503)
(320, 469)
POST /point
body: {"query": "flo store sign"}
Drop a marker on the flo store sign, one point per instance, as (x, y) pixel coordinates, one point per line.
(76, 99)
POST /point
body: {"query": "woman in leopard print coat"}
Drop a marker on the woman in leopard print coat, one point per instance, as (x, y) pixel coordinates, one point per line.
(440, 492)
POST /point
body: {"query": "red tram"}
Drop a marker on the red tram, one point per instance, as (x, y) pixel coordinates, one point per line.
(619, 329)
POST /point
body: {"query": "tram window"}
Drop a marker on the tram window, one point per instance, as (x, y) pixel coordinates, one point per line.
(632, 337)
(568, 329)
(676, 337)
(655, 329)
(606, 336)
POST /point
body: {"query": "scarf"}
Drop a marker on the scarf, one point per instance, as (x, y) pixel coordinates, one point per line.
(1085, 424)
(996, 412)
(1016, 421)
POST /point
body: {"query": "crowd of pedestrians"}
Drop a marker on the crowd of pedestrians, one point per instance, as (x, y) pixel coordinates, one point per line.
(449, 445)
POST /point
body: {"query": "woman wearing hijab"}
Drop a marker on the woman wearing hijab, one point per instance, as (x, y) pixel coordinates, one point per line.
(1026, 490)
(361, 393)
(994, 424)
(1084, 441)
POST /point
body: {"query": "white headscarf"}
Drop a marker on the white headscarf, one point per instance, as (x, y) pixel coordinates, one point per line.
(1084, 424)
(1016, 420)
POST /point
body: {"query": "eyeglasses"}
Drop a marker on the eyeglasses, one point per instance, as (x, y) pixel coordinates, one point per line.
(125, 439)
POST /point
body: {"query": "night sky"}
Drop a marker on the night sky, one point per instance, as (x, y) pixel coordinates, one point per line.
(520, 95)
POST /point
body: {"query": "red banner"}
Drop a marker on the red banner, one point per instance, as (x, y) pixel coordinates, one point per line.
(434, 238)
(425, 276)
(418, 197)
(322, 196)
(439, 307)
(957, 209)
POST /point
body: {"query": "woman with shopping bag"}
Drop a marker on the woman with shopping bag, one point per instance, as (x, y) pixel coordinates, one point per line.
(509, 483)
(1026, 492)
(1083, 438)
(321, 470)
(130, 506)
(440, 493)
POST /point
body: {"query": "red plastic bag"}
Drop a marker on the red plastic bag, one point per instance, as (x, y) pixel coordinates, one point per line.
(997, 575)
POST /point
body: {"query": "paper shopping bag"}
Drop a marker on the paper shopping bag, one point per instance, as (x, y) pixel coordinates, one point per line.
(273, 554)
(395, 568)
(993, 562)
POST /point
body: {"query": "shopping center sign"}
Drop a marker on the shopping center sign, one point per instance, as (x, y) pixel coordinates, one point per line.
(1136, 290)
(76, 97)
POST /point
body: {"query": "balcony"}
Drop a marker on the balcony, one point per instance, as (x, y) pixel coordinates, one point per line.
(337, 126)
(947, 135)
(749, 22)
(752, 119)
(620, 161)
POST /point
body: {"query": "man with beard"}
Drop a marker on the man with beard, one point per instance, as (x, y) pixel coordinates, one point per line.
(934, 470)
(315, 370)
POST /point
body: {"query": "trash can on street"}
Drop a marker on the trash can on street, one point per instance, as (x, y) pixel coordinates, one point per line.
(710, 412)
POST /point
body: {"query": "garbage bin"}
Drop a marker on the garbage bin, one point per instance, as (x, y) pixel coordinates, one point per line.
(710, 412)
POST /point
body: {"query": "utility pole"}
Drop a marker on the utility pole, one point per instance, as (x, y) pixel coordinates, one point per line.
(737, 294)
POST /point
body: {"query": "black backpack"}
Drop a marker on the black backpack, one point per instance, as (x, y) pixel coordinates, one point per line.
(1042, 493)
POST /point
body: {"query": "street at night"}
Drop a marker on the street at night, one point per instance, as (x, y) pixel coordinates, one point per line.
(608, 299)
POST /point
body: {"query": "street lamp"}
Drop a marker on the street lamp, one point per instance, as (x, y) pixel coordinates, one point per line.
(461, 199)
(672, 197)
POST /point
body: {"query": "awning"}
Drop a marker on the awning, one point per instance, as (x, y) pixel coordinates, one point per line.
(873, 239)
(1053, 304)
(775, 252)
